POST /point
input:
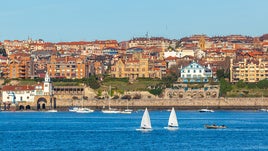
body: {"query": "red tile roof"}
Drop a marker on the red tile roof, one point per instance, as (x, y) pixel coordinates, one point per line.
(171, 58)
(17, 88)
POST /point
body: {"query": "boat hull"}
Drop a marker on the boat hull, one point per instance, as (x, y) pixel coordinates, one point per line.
(205, 110)
(215, 127)
(52, 111)
(144, 129)
(171, 128)
(110, 112)
(84, 110)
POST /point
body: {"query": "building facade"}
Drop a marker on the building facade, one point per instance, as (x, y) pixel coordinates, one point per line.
(195, 72)
(67, 67)
(132, 68)
(248, 70)
(18, 66)
(29, 97)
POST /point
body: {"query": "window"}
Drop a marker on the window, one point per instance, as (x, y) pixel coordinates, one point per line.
(188, 71)
(194, 71)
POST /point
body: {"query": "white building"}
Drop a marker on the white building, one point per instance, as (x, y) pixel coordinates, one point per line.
(16, 94)
(26, 93)
(195, 72)
(179, 54)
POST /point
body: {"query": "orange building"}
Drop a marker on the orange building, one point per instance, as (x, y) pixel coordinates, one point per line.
(19, 66)
(67, 67)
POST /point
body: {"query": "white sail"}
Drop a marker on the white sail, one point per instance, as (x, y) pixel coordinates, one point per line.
(173, 121)
(146, 122)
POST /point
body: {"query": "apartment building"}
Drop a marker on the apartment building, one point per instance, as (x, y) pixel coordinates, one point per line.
(67, 67)
(248, 70)
(159, 42)
(18, 66)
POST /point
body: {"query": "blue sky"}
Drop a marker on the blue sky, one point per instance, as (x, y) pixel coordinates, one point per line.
(75, 20)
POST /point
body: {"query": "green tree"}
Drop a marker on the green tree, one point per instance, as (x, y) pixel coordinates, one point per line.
(240, 84)
(169, 80)
(92, 82)
(3, 52)
(220, 73)
(156, 91)
(224, 87)
(251, 85)
(263, 84)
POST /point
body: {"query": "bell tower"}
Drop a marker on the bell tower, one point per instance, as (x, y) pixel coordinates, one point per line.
(47, 85)
(202, 43)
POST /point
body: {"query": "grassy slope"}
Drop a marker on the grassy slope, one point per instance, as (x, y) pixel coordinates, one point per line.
(140, 84)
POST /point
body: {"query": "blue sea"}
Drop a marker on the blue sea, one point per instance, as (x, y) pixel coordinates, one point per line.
(247, 130)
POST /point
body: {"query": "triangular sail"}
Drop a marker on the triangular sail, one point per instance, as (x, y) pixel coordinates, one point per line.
(146, 122)
(173, 121)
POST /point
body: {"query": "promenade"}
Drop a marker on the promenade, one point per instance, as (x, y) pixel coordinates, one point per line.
(156, 103)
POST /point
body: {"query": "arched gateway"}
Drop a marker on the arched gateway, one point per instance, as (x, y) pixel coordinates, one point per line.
(41, 104)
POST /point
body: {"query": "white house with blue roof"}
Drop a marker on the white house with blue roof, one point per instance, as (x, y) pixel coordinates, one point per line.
(195, 72)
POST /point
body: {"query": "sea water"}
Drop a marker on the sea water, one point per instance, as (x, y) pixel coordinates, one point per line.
(246, 130)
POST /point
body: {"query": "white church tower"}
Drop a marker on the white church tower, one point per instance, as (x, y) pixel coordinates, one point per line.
(47, 85)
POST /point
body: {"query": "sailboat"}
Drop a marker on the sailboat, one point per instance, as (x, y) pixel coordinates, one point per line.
(127, 111)
(110, 110)
(172, 121)
(205, 109)
(263, 109)
(52, 110)
(83, 109)
(145, 122)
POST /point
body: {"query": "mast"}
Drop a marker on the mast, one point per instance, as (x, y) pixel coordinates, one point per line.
(109, 96)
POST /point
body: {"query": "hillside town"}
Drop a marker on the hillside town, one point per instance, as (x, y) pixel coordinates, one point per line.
(194, 59)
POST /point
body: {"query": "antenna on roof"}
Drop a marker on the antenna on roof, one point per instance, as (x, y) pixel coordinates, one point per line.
(147, 35)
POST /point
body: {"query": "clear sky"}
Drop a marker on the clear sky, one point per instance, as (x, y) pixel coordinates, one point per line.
(75, 20)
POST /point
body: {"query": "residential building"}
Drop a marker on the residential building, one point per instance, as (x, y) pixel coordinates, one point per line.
(67, 67)
(132, 68)
(151, 42)
(195, 72)
(248, 70)
(19, 66)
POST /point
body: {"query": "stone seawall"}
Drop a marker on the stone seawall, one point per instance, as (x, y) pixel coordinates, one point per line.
(220, 103)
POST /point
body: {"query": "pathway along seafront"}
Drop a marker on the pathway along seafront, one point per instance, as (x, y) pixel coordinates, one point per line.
(155, 103)
(184, 104)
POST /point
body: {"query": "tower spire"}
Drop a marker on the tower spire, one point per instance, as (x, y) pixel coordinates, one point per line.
(47, 78)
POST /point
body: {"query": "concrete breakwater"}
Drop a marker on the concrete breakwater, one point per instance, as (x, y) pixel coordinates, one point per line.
(156, 103)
